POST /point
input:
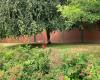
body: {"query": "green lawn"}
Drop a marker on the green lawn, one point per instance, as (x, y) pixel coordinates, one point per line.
(78, 48)
(70, 48)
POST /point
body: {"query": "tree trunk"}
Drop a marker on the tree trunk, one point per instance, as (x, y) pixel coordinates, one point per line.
(82, 35)
(62, 36)
(34, 38)
(48, 36)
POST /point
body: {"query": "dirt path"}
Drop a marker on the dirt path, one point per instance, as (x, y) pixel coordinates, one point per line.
(8, 44)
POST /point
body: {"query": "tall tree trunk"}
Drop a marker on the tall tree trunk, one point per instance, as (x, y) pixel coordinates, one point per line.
(34, 38)
(62, 36)
(48, 35)
(82, 35)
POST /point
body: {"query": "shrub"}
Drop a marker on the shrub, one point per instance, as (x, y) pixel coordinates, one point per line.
(80, 67)
(25, 63)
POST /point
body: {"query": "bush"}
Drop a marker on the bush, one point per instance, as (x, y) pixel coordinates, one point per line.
(80, 67)
(25, 63)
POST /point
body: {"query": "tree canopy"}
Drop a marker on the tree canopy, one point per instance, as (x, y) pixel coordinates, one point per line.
(27, 17)
(80, 12)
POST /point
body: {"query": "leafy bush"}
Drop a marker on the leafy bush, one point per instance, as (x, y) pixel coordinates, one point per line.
(25, 63)
(80, 67)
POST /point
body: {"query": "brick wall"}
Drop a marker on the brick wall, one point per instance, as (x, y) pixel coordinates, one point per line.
(40, 38)
(72, 36)
(66, 36)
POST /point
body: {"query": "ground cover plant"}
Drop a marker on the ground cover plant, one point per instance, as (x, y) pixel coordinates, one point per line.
(52, 63)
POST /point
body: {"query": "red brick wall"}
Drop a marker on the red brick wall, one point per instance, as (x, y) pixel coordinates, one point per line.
(40, 38)
(72, 36)
(66, 36)
(92, 36)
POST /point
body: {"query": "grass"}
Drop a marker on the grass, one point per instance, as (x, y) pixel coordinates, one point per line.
(78, 48)
(13, 57)
(69, 48)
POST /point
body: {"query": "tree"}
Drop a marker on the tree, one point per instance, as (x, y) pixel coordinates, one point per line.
(16, 18)
(29, 17)
(78, 12)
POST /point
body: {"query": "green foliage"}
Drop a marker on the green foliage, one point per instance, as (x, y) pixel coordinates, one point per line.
(27, 17)
(80, 67)
(80, 11)
(26, 63)
(16, 17)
